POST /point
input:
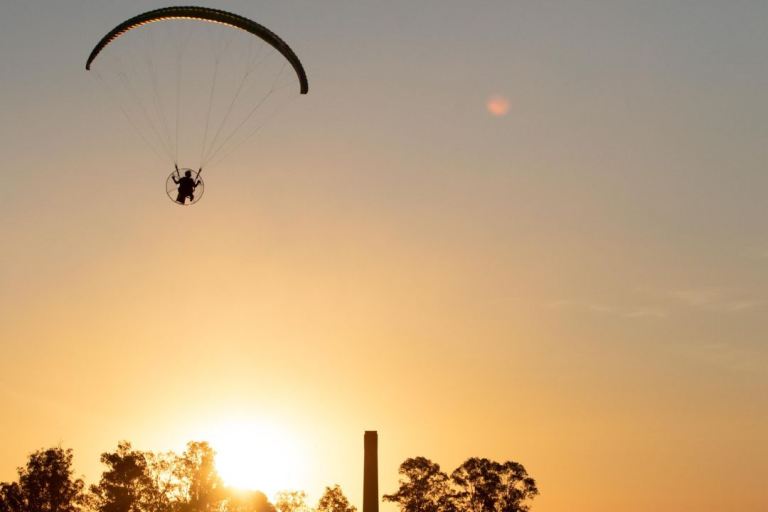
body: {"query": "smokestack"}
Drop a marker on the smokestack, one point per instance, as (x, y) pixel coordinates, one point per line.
(371, 473)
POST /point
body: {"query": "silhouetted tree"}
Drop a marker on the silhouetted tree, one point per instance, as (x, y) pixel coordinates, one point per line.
(486, 486)
(291, 501)
(478, 485)
(46, 484)
(201, 488)
(11, 499)
(126, 485)
(166, 489)
(423, 487)
(333, 500)
(247, 501)
(138, 481)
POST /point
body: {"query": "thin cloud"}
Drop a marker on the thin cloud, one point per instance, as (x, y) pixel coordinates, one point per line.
(714, 299)
(647, 313)
(605, 309)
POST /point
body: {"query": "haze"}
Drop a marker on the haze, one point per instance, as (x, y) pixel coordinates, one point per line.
(579, 284)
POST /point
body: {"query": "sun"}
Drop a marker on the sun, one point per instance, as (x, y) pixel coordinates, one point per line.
(257, 456)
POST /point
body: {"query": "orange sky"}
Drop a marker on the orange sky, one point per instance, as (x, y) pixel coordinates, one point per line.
(578, 285)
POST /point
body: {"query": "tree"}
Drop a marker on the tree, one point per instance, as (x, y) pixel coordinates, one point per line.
(247, 501)
(126, 486)
(136, 481)
(201, 488)
(46, 484)
(291, 501)
(423, 487)
(478, 485)
(165, 489)
(333, 500)
(487, 486)
(11, 499)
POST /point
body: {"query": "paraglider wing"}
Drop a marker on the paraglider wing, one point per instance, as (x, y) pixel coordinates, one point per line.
(210, 15)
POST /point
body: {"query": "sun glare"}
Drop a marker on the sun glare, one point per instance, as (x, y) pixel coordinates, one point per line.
(257, 457)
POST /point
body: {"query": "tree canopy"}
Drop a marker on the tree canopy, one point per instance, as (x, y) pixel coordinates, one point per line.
(478, 485)
(46, 484)
(333, 500)
(132, 481)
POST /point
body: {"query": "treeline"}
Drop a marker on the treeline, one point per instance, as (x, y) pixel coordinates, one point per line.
(478, 485)
(143, 481)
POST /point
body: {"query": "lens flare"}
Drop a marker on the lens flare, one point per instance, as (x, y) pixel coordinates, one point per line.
(497, 105)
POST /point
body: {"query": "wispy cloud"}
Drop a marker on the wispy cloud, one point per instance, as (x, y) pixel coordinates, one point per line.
(647, 313)
(638, 312)
(714, 299)
(662, 303)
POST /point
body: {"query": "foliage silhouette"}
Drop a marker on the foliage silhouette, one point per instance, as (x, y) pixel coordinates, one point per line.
(423, 487)
(333, 500)
(487, 486)
(126, 486)
(45, 484)
(137, 481)
(133, 481)
(248, 501)
(291, 501)
(203, 490)
(478, 485)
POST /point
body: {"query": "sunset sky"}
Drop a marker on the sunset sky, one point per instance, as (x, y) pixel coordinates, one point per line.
(515, 229)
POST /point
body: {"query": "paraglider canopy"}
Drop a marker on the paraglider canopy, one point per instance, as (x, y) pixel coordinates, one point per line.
(204, 14)
(195, 83)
